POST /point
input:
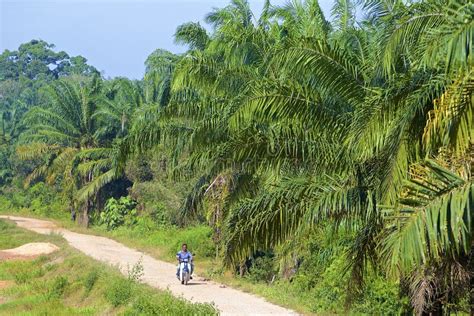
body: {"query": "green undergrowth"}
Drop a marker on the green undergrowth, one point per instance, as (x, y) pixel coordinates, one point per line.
(38, 200)
(70, 283)
(319, 287)
(316, 289)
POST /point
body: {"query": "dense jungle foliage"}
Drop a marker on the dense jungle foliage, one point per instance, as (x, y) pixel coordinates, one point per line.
(328, 159)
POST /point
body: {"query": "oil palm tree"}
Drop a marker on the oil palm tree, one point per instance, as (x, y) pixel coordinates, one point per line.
(428, 236)
(64, 138)
(298, 121)
(393, 124)
(114, 113)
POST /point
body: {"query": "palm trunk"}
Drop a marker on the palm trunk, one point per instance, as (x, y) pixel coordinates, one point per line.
(471, 278)
(436, 309)
(86, 206)
(242, 269)
(83, 218)
(471, 299)
(73, 212)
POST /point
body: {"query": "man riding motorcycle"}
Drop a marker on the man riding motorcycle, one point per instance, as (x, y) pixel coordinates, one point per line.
(183, 255)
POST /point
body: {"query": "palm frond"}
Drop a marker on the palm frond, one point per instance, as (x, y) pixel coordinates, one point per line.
(92, 188)
(433, 219)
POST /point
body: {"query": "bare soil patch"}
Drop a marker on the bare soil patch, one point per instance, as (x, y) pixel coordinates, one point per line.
(28, 251)
(5, 283)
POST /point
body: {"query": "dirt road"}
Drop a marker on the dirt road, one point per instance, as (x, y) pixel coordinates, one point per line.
(157, 273)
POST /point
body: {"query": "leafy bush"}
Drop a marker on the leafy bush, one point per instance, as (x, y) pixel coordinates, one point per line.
(19, 200)
(159, 214)
(39, 198)
(136, 272)
(261, 268)
(119, 291)
(198, 238)
(118, 212)
(160, 200)
(381, 297)
(5, 204)
(331, 287)
(158, 218)
(138, 170)
(144, 225)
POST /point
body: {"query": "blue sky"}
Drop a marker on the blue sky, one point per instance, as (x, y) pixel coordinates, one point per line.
(115, 36)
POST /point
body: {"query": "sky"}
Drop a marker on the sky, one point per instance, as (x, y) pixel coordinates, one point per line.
(116, 36)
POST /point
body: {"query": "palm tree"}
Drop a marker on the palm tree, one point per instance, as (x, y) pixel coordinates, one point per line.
(160, 67)
(428, 236)
(192, 34)
(387, 107)
(439, 37)
(64, 137)
(290, 121)
(114, 113)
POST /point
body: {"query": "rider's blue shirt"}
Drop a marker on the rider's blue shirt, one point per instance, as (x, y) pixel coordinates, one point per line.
(181, 255)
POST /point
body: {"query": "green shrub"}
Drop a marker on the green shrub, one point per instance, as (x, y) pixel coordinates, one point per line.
(19, 200)
(159, 214)
(118, 212)
(198, 238)
(138, 170)
(5, 204)
(331, 287)
(381, 297)
(39, 198)
(262, 268)
(144, 224)
(119, 291)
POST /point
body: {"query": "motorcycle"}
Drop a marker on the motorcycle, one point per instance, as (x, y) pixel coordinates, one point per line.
(184, 271)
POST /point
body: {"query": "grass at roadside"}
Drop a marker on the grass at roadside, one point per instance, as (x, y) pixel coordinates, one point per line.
(70, 283)
(163, 243)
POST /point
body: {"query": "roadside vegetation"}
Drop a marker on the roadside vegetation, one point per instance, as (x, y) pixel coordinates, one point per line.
(69, 283)
(322, 162)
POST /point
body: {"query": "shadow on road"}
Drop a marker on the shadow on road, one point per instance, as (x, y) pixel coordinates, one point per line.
(196, 283)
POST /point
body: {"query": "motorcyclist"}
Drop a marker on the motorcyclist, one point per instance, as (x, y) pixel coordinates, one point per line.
(182, 255)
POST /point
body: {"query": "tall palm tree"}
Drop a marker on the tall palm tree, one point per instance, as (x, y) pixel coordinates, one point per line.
(64, 138)
(160, 67)
(114, 113)
(388, 108)
(296, 121)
